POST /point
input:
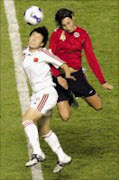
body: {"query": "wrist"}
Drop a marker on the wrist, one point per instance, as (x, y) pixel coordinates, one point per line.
(103, 82)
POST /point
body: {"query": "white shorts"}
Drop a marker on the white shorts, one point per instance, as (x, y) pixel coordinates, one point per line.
(44, 100)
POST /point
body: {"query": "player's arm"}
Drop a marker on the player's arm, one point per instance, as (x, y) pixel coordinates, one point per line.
(58, 63)
(66, 70)
(52, 48)
(62, 81)
(93, 63)
(55, 72)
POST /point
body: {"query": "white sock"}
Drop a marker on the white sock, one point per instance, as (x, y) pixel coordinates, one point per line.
(54, 144)
(32, 133)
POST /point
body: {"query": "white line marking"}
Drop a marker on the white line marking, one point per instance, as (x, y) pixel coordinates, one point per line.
(21, 80)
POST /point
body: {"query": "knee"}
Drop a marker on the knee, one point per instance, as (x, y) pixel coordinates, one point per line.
(99, 107)
(65, 117)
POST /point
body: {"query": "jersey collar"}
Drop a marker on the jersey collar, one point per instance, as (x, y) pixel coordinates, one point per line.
(27, 52)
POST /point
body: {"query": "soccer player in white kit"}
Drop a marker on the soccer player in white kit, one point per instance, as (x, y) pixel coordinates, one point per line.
(36, 60)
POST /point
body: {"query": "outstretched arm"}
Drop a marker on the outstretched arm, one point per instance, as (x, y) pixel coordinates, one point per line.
(107, 86)
(93, 63)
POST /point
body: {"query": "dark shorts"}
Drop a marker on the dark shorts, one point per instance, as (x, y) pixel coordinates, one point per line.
(80, 87)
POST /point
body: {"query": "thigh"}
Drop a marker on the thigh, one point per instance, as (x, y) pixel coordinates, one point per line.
(62, 93)
(81, 87)
(32, 114)
(94, 101)
(44, 101)
(64, 110)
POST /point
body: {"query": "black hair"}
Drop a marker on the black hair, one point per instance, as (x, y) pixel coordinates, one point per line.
(42, 30)
(61, 14)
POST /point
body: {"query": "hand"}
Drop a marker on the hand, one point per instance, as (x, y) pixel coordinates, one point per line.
(62, 37)
(107, 86)
(63, 82)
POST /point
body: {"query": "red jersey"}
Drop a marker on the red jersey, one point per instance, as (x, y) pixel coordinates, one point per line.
(70, 49)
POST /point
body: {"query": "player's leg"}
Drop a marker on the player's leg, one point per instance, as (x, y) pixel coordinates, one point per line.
(38, 108)
(94, 101)
(64, 110)
(62, 103)
(52, 140)
(44, 125)
(42, 103)
(65, 101)
(72, 100)
(31, 131)
(32, 114)
(50, 137)
(82, 88)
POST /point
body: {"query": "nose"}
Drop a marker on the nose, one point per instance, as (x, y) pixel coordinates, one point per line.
(33, 39)
(68, 27)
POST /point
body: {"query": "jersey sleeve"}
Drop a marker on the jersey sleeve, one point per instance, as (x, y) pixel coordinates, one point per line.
(52, 59)
(91, 58)
(52, 47)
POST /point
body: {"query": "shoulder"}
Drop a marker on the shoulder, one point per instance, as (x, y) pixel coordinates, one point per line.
(83, 33)
(81, 30)
(44, 51)
(57, 31)
(25, 49)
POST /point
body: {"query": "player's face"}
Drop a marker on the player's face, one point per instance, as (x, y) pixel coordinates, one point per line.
(35, 40)
(68, 24)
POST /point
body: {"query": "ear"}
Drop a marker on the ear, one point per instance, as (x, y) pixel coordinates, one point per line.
(73, 18)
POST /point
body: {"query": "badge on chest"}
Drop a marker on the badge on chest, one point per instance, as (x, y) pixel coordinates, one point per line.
(76, 34)
(35, 59)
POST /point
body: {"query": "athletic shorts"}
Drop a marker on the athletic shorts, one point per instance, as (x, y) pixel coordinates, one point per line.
(80, 87)
(44, 100)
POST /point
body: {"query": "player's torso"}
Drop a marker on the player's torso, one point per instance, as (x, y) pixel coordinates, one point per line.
(37, 70)
(71, 42)
(69, 48)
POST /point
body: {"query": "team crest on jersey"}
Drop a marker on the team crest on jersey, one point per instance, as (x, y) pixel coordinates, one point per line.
(35, 59)
(76, 34)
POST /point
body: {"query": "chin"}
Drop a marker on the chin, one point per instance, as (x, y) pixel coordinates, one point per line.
(70, 31)
(32, 47)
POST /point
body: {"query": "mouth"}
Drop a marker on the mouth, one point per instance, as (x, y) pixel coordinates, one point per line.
(70, 31)
(32, 43)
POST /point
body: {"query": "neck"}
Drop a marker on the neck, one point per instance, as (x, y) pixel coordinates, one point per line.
(33, 50)
(75, 27)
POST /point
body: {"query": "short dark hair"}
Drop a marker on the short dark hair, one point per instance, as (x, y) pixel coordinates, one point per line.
(61, 14)
(42, 30)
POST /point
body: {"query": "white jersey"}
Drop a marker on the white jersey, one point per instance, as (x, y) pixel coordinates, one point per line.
(37, 68)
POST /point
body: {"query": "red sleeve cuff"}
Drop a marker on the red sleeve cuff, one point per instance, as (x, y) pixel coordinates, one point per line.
(103, 82)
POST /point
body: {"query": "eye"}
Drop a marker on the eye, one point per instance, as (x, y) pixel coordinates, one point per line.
(63, 25)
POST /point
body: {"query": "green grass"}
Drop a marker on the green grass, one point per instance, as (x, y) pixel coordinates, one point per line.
(13, 142)
(90, 137)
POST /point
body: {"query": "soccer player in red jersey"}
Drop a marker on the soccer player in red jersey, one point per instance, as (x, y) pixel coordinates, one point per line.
(67, 42)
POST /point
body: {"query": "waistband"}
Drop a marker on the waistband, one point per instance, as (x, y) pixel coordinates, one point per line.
(80, 71)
